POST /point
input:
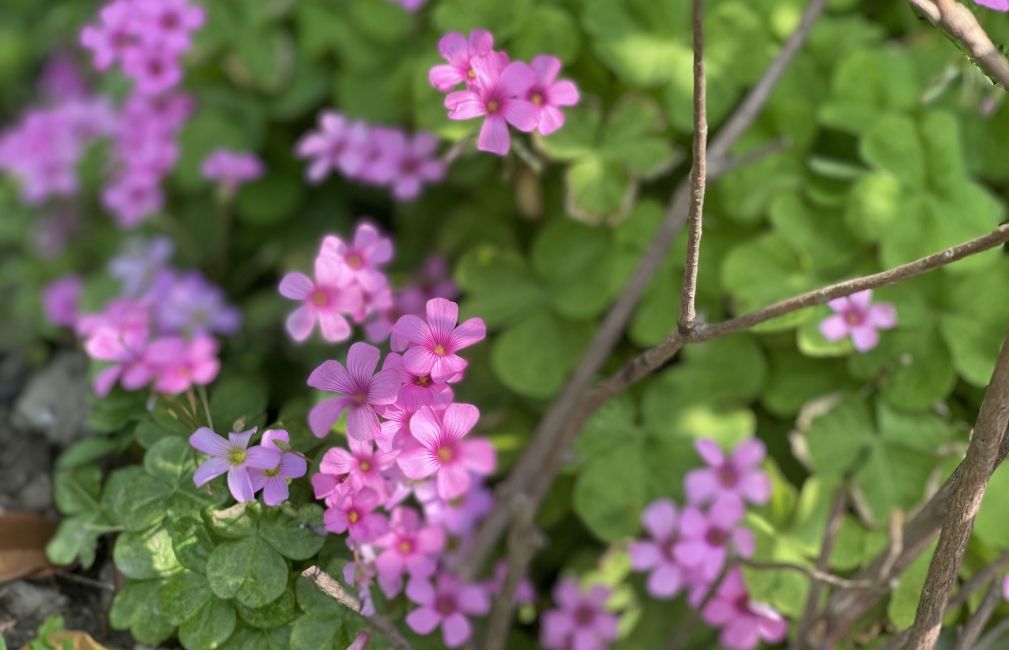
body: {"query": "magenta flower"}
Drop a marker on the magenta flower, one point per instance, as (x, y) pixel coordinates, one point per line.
(133, 197)
(167, 23)
(705, 538)
(415, 390)
(324, 300)
(744, 623)
(290, 465)
(338, 144)
(60, 299)
(657, 554)
(435, 343)
(737, 475)
(581, 620)
(440, 450)
(363, 258)
(496, 95)
(233, 456)
(361, 389)
(410, 547)
(178, 363)
(155, 70)
(447, 603)
(231, 169)
(458, 516)
(113, 36)
(123, 343)
(353, 512)
(406, 164)
(548, 94)
(997, 5)
(459, 51)
(857, 317)
(362, 465)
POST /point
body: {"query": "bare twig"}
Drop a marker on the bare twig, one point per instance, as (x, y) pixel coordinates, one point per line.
(698, 176)
(834, 520)
(817, 576)
(961, 26)
(523, 543)
(964, 504)
(750, 157)
(328, 585)
(573, 397)
(976, 624)
(995, 634)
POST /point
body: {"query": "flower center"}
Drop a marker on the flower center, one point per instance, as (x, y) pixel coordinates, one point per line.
(853, 318)
(471, 74)
(406, 547)
(271, 472)
(319, 298)
(353, 516)
(493, 106)
(360, 399)
(716, 537)
(355, 261)
(423, 381)
(364, 465)
(155, 67)
(169, 21)
(446, 454)
(445, 604)
(536, 99)
(236, 456)
(584, 615)
(727, 476)
(439, 350)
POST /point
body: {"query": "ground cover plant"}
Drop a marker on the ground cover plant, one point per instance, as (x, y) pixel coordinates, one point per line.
(573, 324)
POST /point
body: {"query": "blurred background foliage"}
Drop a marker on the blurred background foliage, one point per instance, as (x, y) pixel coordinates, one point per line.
(895, 149)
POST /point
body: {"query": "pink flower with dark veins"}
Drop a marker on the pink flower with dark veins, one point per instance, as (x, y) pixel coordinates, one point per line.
(459, 51)
(548, 94)
(360, 389)
(434, 344)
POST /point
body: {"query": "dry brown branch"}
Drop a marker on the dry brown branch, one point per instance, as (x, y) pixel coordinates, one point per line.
(975, 626)
(830, 532)
(960, 25)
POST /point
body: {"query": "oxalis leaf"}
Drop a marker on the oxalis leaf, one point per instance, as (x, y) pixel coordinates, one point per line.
(248, 570)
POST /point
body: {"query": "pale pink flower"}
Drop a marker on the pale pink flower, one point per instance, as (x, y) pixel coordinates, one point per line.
(290, 465)
(497, 96)
(856, 316)
(155, 70)
(353, 512)
(441, 450)
(178, 363)
(458, 516)
(123, 343)
(362, 465)
(338, 144)
(133, 197)
(548, 94)
(434, 344)
(232, 456)
(744, 623)
(580, 620)
(360, 389)
(167, 23)
(657, 553)
(446, 603)
(113, 36)
(363, 258)
(231, 169)
(410, 547)
(325, 300)
(416, 390)
(706, 538)
(459, 51)
(738, 474)
(407, 164)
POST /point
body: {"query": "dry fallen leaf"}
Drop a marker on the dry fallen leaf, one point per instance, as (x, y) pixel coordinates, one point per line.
(72, 640)
(23, 539)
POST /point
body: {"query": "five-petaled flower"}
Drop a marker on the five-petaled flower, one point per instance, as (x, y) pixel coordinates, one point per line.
(234, 457)
(858, 317)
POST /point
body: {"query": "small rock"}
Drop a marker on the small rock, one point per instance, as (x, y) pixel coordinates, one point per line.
(55, 400)
(24, 600)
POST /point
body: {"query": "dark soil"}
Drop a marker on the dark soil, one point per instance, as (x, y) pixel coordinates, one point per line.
(42, 411)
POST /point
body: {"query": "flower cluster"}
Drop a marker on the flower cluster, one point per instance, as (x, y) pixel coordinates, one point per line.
(527, 96)
(371, 154)
(267, 466)
(147, 39)
(349, 281)
(158, 331)
(858, 317)
(580, 620)
(43, 149)
(686, 550)
(431, 281)
(231, 169)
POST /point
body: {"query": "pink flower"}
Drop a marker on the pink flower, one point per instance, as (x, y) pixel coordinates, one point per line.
(524, 595)
(233, 456)
(744, 623)
(458, 516)
(406, 164)
(415, 390)
(446, 603)
(363, 258)
(112, 36)
(360, 641)
(705, 538)
(435, 343)
(122, 342)
(439, 449)
(352, 512)
(362, 465)
(178, 363)
(997, 5)
(133, 197)
(60, 299)
(231, 169)
(459, 52)
(856, 317)
(167, 23)
(361, 389)
(338, 144)
(581, 620)
(325, 299)
(497, 95)
(155, 70)
(737, 475)
(290, 465)
(547, 94)
(410, 547)
(657, 554)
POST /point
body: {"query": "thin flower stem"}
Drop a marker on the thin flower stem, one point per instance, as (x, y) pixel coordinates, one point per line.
(834, 520)
(329, 586)
(202, 390)
(975, 626)
(817, 576)
(686, 628)
(698, 177)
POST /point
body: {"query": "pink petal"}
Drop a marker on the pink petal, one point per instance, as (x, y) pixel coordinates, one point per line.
(455, 630)
(480, 41)
(701, 485)
(419, 360)
(755, 487)
(726, 510)
(517, 78)
(691, 553)
(240, 484)
(563, 93)
(709, 451)
(275, 491)
(426, 428)
(362, 423)
(665, 581)
(442, 315)
(882, 315)
(659, 518)
(472, 331)
(337, 461)
(749, 453)
(412, 328)
(453, 481)
(740, 633)
(834, 328)
(105, 380)
(644, 554)
(546, 68)
(361, 363)
(296, 286)
(454, 48)
(861, 299)
(464, 105)
(300, 323)
(210, 469)
(334, 327)
(423, 620)
(550, 119)
(494, 136)
(744, 542)
(478, 456)
(324, 415)
(260, 457)
(864, 338)
(420, 592)
(458, 420)
(209, 442)
(384, 387)
(417, 463)
(293, 466)
(521, 114)
(444, 76)
(333, 377)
